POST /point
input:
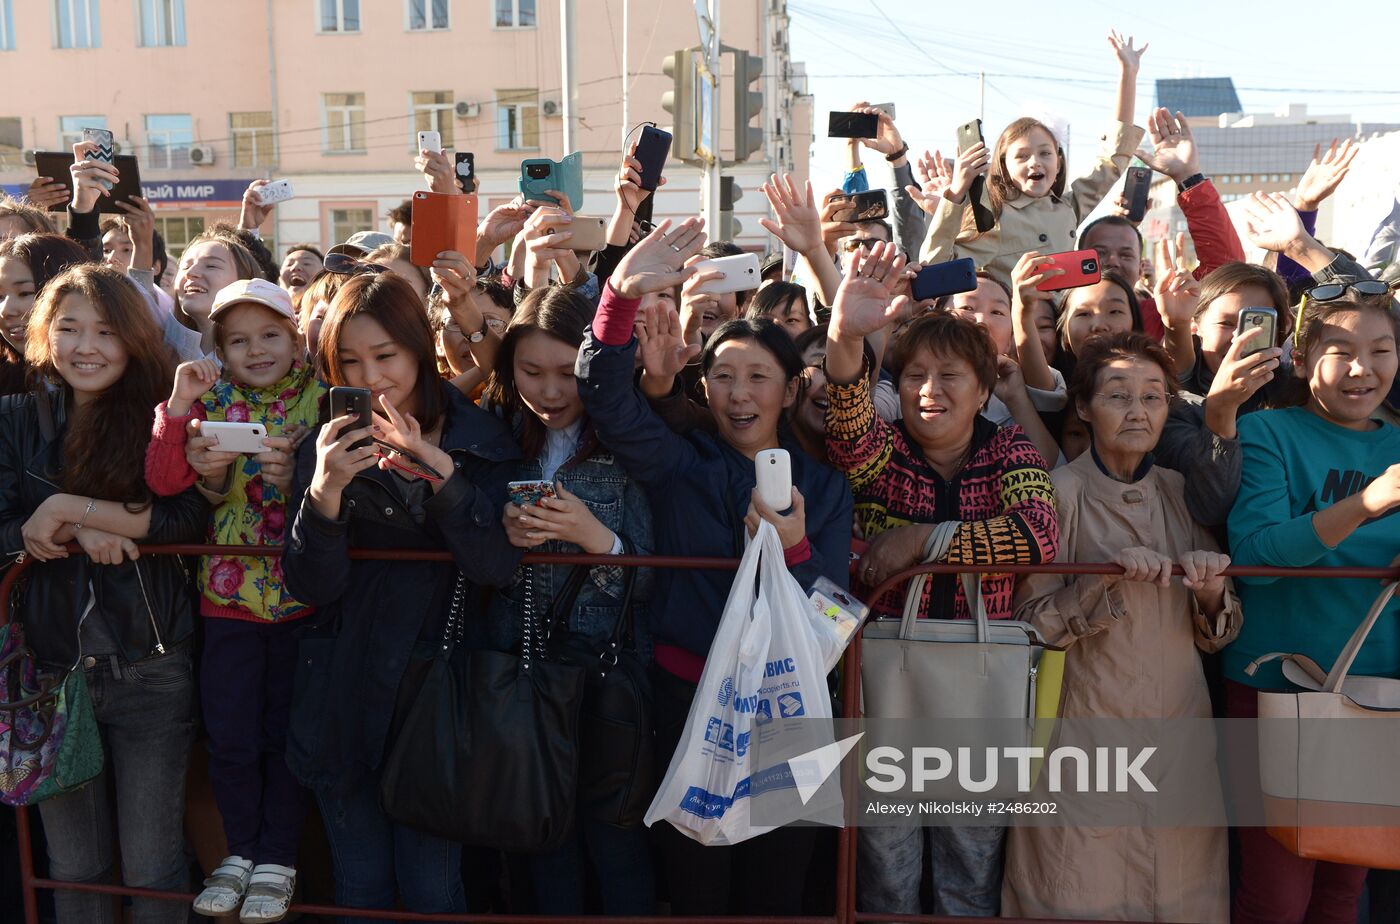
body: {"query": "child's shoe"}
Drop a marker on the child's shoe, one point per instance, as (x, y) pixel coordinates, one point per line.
(224, 889)
(269, 893)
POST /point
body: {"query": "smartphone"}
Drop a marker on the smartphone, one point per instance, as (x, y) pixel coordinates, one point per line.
(540, 174)
(1251, 318)
(276, 191)
(945, 279)
(970, 135)
(529, 493)
(589, 235)
(653, 147)
(886, 108)
(773, 472)
(741, 273)
(466, 169)
(1081, 269)
(430, 141)
(246, 438)
(1136, 184)
(863, 206)
(356, 401)
(442, 221)
(852, 125)
(103, 139)
(55, 164)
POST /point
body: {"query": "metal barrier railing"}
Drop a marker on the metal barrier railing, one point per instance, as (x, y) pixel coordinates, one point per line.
(845, 906)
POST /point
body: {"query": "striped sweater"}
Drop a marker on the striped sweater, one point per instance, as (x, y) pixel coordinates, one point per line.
(1003, 496)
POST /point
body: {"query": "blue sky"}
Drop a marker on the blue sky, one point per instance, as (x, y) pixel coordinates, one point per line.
(1059, 62)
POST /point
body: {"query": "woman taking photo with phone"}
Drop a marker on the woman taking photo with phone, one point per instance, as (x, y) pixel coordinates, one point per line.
(71, 470)
(434, 480)
(703, 496)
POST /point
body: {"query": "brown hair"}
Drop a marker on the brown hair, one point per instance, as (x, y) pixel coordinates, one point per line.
(385, 254)
(46, 254)
(392, 303)
(104, 445)
(322, 288)
(244, 263)
(946, 334)
(1001, 189)
(1099, 352)
(33, 218)
(1231, 277)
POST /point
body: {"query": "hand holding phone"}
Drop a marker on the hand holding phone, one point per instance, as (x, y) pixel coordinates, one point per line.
(104, 151)
(430, 141)
(1080, 268)
(949, 278)
(1254, 318)
(466, 170)
(1137, 182)
(870, 205)
(353, 401)
(236, 436)
(773, 474)
(274, 192)
(529, 493)
(442, 222)
(739, 274)
(653, 147)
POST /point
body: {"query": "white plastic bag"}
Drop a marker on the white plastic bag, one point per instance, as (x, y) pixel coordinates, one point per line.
(764, 687)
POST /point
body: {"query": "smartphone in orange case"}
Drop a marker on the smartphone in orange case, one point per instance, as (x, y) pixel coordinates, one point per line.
(442, 221)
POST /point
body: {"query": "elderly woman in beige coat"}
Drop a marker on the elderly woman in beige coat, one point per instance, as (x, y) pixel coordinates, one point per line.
(1132, 646)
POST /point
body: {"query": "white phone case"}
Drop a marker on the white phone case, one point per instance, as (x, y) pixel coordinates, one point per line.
(246, 438)
(741, 273)
(773, 471)
(430, 141)
(276, 191)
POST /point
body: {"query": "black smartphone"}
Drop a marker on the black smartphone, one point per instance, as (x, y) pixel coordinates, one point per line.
(55, 164)
(346, 400)
(970, 135)
(653, 147)
(870, 205)
(466, 169)
(852, 125)
(945, 279)
(1136, 184)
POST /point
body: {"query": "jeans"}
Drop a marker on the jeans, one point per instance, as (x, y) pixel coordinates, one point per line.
(621, 860)
(144, 710)
(965, 866)
(377, 861)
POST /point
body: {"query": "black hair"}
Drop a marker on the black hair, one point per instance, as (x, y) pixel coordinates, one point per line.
(716, 249)
(309, 248)
(271, 271)
(162, 256)
(1110, 221)
(756, 330)
(774, 297)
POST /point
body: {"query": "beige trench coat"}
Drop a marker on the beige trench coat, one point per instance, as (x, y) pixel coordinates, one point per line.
(1132, 653)
(1046, 225)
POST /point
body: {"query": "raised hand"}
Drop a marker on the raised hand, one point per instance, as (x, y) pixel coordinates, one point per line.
(439, 170)
(1177, 292)
(1173, 146)
(865, 302)
(796, 221)
(141, 226)
(971, 164)
(1272, 223)
(887, 138)
(253, 213)
(1238, 378)
(192, 380)
(45, 192)
(1129, 58)
(665, 348)
(935, 176)
(1030, 271)
(403, 432)
(88, 176)
(1325, 173)
(628, 183)
(833, 230)
(501, 224)
(657, 262)
(456, 277)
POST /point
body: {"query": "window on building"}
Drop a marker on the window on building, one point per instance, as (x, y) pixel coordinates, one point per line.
(426, 15)
(70, 129)
(252, 138)
(76, 24)
(162, 23)
(1248, 178)
(517, 119)
(168, 140)
(345, 222)
(7, 25)
(432, 111)
(11, 142)
(178, 231)
(340, 15)
(344, 122)
(515, 14)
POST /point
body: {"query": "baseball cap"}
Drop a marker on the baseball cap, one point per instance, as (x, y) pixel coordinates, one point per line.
(254, 291)
(361, 243)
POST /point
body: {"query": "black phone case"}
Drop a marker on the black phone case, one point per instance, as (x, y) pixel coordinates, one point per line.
(55, 164)
(945, 279)
(1136, 186)
(345, 400)
(852, 125)
(468, 158)
(653, 147)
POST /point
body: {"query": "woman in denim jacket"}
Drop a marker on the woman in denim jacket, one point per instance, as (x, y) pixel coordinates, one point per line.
(598, 510)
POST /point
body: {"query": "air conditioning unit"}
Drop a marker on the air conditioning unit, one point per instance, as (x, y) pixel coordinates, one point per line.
(466, 110)
(28, 157)
(552, 108)
(123, 146)
(201, 155)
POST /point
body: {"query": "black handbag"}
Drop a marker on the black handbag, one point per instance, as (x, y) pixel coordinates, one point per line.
(487, 753)
(616, 764)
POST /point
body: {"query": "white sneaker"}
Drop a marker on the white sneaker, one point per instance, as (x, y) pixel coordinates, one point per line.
(223, 890)
(269, 893)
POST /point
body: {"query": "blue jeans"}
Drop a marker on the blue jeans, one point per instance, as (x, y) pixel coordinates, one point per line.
(964, 864)
(619, 856)
(145, 713)
(378, 861)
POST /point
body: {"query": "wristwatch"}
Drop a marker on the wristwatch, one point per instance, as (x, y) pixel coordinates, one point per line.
(898, 154)
(478, 336)
(1195, 179)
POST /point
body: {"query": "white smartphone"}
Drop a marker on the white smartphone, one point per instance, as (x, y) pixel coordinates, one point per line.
(773, 471)
(430, 141)
(589, 234)
(246, 438)
(886, 108)
(276, 191)
(104, 140)
(741, 273)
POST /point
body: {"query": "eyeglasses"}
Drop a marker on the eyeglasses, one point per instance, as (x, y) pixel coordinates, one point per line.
(855, 243)
(495, 324)
(345, 265)
(1122, 401)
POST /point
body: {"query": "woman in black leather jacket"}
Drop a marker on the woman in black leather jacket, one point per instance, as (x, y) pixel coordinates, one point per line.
(71, 470)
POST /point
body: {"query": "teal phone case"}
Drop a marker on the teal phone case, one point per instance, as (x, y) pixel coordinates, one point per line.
(565, 175)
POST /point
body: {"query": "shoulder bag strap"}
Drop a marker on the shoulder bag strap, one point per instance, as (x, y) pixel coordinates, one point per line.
(47, 428)
(934, 549)
(1338, 675)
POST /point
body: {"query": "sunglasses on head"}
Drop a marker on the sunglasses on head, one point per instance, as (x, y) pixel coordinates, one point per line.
(855, 243)
(1332, 291)
(343, 264)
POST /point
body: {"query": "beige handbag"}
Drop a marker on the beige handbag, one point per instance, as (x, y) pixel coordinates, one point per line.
(1322, 798)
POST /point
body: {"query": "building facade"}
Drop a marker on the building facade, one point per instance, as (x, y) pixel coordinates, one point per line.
(330, 94)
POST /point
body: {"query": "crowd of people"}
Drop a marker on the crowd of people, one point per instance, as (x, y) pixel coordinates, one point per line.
(1129, 420)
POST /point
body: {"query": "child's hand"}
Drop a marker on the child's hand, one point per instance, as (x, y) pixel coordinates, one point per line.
(1272, 223)
(971, 164)
(1173, 147)
(934, 176)
(1030, 271)
(203, 455)
(1129, 58)
(192, 379)
(277, 463)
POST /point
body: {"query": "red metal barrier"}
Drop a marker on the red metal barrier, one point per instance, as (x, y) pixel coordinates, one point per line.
(845, 910)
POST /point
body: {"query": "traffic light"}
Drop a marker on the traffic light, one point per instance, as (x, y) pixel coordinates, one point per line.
(680, 102)
(747, 105)
(729, 193)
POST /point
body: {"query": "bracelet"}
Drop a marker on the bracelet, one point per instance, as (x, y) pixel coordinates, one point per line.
(1195, 179)
(91, 506)
(898, 154)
